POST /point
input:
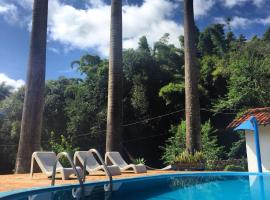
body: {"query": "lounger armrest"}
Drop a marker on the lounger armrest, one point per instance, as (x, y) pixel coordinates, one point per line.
(114, 170)
(140, 168)
(66, 172)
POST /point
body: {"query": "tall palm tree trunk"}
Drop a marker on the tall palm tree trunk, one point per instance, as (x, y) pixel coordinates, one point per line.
(192, 104)
(114, 111)
(31, 124)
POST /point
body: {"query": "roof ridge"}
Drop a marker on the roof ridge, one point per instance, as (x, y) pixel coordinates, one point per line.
(261, 114)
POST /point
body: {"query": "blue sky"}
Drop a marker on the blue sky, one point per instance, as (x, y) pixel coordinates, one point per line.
(79, 26)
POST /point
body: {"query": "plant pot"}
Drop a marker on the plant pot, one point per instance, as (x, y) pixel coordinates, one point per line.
(188, 166)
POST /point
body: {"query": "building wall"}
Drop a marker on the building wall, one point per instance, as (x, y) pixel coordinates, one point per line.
(264, 134)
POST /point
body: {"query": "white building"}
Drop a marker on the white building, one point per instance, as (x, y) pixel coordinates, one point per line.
(263, 118)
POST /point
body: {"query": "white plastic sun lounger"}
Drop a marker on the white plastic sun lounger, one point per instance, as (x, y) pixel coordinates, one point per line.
(46, 161)
(92, 164)
(116, 159)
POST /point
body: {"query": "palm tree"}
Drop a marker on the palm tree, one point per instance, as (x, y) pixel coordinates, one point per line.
(31, 124)
(192, 104)
(114, 111)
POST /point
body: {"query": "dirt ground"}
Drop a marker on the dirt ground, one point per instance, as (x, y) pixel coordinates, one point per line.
(21, 181)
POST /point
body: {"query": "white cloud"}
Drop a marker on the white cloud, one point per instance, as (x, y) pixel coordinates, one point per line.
(96, 3)
(264, 21)
(236, 22)
(259, 3)
(243, 23)
(240, 22)
(26, 4)
(202, 7)
(5, 8)
(54, 50)
(9, 12)
(89, 28)
(232, 3)
(16, 84)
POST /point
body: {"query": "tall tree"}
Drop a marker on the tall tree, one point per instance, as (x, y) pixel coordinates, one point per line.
(31, 124)
(114, 110)
(192, 104)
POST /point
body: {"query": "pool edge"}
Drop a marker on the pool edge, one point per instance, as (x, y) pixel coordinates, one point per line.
(66, 186)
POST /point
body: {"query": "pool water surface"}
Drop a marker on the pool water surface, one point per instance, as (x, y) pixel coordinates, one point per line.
(204, 186)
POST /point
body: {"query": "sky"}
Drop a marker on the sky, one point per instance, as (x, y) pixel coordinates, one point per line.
(77, 27)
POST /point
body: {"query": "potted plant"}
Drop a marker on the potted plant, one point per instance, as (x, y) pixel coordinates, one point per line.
(186, 161)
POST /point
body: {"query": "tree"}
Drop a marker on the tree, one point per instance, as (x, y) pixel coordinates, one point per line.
(266, 35)
(31, 125)
(212, 40)
(5, 90)
(114, 110)
(249, 72)
(143, 45)
(241, 38)
(10, 121)
(192, 104)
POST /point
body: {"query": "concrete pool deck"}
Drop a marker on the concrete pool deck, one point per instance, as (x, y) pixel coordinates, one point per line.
(22, 181)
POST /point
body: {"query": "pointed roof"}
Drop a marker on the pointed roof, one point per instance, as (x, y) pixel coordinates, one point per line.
(261, 114)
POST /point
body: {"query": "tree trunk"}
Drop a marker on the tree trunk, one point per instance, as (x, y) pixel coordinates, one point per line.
(192, 104)
(32, 116)
(114, 111)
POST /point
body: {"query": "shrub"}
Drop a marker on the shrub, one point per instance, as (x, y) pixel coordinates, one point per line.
(137, 161)
(186, 157)
(63, 144)
(212, 151)
(236, 168)
(175, 145)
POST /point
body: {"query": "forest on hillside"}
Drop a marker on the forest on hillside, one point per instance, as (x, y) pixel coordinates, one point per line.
(234, 76)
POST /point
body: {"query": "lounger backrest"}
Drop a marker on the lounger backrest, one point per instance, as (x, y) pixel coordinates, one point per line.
(46, 161)
(116, 158)
(91, 161)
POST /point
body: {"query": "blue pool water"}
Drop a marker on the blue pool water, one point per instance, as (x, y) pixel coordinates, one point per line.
(200, 186)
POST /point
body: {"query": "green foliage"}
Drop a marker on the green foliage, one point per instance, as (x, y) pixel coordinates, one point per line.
(143, 45)
(248, 84)
(212, 40)
(211, 149)
(238, 148)
(137, 161)
(175, 146)
(186, 157)
(234, 76)
(139, 99)
(168, 92)
(10, 122)
(62, 145)
(266, 35)
(5, 91)
(235, 168)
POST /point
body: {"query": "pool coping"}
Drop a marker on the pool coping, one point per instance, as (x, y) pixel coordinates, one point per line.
(26, 191)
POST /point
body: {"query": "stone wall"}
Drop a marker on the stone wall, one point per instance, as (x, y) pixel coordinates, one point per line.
(219, 165)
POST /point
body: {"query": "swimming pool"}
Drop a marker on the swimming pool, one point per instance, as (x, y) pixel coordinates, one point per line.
(198, 186)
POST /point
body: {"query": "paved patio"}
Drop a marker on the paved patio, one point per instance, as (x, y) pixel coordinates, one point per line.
(22, 181)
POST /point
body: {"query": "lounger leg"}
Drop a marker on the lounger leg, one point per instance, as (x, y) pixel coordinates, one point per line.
(32, 167)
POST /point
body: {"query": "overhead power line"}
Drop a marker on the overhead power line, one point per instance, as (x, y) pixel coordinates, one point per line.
(146, 120)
